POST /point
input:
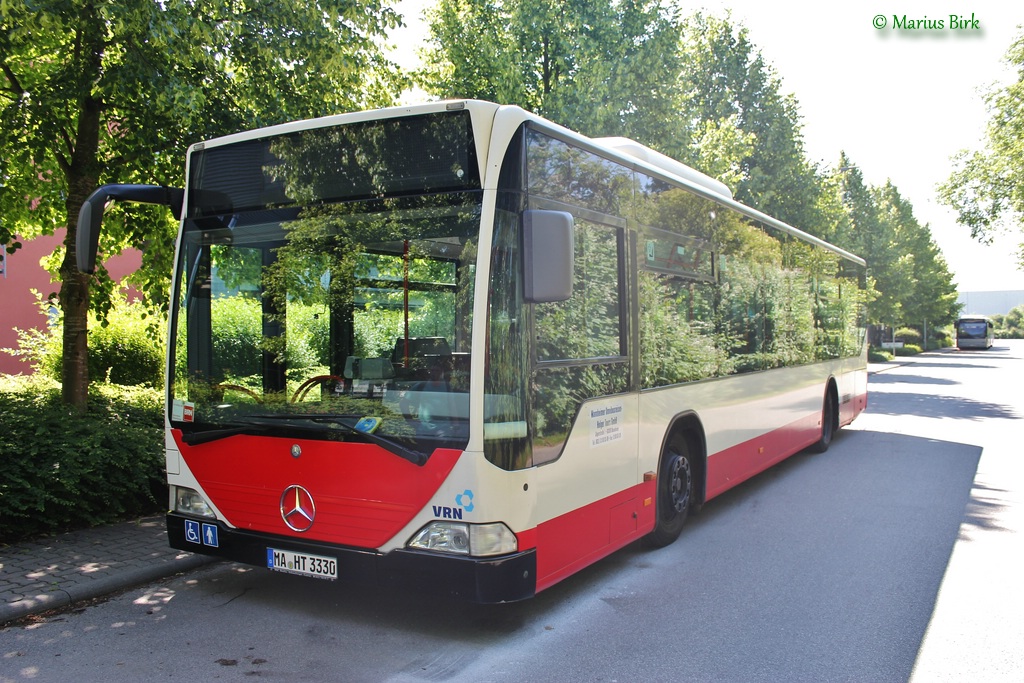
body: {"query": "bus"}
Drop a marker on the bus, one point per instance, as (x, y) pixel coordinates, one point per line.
(974, 332)
(459, 348)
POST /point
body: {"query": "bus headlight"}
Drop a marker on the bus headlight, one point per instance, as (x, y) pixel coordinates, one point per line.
(190, 502)
(491, 539)
(460, 538)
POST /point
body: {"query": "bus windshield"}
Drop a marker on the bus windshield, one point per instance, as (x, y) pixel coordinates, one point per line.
(972, 329)
(319, 295)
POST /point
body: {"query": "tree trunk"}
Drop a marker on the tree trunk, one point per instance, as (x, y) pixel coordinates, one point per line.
(74, 302)
(82, 178)
(74, 287)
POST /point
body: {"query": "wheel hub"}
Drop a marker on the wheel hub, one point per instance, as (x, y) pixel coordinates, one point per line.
(679, 482)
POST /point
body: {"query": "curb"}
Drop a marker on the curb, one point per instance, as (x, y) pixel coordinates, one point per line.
(60, 597)
(56, 572)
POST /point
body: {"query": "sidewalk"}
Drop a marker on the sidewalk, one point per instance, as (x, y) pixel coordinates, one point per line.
(55, 572)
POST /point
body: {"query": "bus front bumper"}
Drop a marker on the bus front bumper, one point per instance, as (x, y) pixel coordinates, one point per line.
(485, 580)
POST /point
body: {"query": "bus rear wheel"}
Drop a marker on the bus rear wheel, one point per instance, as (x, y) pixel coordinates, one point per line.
(675, 492)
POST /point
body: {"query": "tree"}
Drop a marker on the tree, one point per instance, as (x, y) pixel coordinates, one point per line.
(696, 90)
(726, 81)
(986, 188)
(482, 68)
(98, 91)
(857, 226)
(1011, 325)
(594, 66)
(928, 294)
(721, 109)
(911, 281)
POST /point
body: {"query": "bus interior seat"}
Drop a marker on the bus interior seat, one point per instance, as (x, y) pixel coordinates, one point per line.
(428, 357)
(370, 369)
(375, 372)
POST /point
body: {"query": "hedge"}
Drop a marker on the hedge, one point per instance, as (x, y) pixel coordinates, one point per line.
(60, 470)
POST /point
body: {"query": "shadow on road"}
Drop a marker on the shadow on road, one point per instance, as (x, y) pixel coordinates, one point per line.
(936, 405)
(823, 566)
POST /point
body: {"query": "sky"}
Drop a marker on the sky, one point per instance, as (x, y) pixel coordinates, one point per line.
(900, 103)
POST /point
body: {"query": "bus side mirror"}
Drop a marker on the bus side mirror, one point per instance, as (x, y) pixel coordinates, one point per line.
(547, 256)
(90, 216)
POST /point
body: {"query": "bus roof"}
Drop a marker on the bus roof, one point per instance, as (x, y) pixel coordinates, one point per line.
(654, 158)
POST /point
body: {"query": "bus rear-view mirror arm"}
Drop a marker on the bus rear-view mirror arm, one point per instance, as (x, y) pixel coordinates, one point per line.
(547, 256)
(90, 216)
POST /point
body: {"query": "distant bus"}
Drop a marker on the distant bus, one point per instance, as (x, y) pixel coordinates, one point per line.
(458, 347)
(974, 332)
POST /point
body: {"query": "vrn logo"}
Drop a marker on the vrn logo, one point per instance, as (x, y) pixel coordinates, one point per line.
(463, 502)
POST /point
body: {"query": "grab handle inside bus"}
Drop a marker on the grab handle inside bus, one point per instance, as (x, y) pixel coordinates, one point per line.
(547, 255)
(90, 216)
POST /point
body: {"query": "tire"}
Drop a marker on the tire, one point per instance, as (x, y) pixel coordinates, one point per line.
(829, 423)
(675, 492)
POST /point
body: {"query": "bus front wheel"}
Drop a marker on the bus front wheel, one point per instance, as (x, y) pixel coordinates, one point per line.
(829, 423)
(675, 492)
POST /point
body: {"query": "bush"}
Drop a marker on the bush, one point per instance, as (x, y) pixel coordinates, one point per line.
(908, 350)
(1011, 325)
(60, 470)
(908, 335)
(940, 340)
(879, 356)
(127, 349)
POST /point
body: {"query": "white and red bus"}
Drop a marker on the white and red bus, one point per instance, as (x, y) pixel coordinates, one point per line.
(458, 346)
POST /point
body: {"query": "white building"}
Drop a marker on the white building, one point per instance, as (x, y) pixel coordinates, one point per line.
(990, 303)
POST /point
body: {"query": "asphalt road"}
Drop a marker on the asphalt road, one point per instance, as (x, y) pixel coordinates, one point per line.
(893, 556)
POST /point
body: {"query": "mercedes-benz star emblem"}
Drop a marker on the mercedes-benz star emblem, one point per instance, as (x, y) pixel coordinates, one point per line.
(297, 508)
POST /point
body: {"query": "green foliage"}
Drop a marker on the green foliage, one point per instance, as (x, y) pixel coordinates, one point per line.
(940, 339)
(726, 79)
(597, 67)
(911, 282)
(879, 356)
(310, 336)
(237, 331)
(1011, 325)
(706, 97)
(61, 470)
(41, 348)
(726, 82)
(376, 330)
(907, 350)
(986, 188)
(927, 292)
(674, 349)
(95, 91)
(127, 348)
(908, 335)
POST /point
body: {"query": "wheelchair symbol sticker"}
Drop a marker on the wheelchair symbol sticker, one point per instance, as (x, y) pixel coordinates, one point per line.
(205, 534)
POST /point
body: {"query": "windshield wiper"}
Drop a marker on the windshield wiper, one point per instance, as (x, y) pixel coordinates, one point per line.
(413, 456)
(207, 435)
(390, 445)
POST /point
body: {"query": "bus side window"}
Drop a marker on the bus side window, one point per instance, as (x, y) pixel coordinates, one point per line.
(587, 327)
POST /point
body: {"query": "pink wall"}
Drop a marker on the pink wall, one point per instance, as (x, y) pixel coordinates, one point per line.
(22, 273)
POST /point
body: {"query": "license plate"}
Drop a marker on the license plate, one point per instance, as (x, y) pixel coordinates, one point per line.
(303, 564)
